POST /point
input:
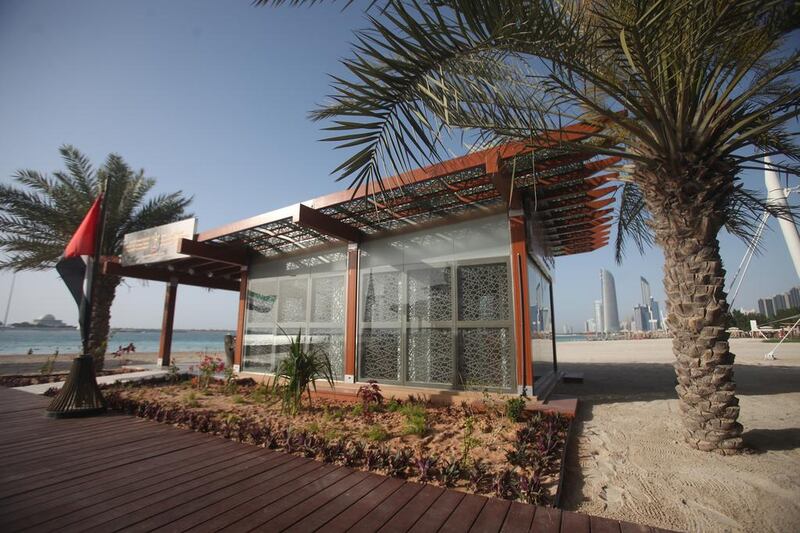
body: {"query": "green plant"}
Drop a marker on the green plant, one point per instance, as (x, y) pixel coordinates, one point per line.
(231, 387)
(468, 441)
(191, 399)
(514, 408)
(297, 373)
(371, 396)
(173, 373)
(238, 399)
(393, 405)
(376, 433)
(416, 419)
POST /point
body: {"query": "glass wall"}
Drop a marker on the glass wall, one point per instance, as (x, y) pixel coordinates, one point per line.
(302, 294)
(435, 307)
(541, 323)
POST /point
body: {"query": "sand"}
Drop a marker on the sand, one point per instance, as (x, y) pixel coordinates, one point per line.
(628, 462)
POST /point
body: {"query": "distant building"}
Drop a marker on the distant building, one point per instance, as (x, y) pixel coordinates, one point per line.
(45, 321)
(646, 297)
(641, 318)
(591, 326)
(794, 297)
(779, 302)
(655, 315)
(609, 298)
(598, 316)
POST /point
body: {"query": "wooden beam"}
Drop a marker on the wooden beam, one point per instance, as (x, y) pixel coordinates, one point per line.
(522, 332)
(327, 225)
(167, 324)
(351, 314)
(153, 274)
(240, 321)
(214, 252)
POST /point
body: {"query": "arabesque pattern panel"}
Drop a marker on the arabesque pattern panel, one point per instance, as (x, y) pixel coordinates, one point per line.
(380, 354)
(430, 355)
(486, 357)
(429, 291)
(483, 292)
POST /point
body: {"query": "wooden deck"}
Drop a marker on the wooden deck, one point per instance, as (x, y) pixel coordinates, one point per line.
(118, 472)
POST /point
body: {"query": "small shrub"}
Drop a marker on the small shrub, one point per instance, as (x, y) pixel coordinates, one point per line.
(376, 433)
(296, 375)
(398, 463)
(237, 399)
(231, 386)
(357, 410)
(450, 472)
(530, 490)
(208, 367)
(514, 408)
(371, 396)
(354, 454)
(426, 467)
(393, 405)
(191, 399)
(173, 373)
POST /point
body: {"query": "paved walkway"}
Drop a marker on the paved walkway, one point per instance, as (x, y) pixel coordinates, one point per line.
(117, 472)
(41, 388)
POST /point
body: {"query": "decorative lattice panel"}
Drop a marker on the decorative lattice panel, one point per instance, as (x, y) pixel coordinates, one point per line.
(292, 300)
(381, 296)
(483, 292)
(258, 357)
(430, 355)
(327, 299)
(380, 354)
(486, 358)
(330, 342)
(429, 293)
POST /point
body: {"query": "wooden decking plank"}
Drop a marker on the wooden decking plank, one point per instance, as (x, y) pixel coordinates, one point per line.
(519, 518)
(599, 524)
(361, 508)
(296, 497)
(296, 513)
(492, 516)
(74, 509)
(292, 470)
(574, 522)
(629, 527)
(330, 510)
(280, 464)
(463, 516)
(152, 471)
(379, 515)
(43, 481)
(438, 513)
(230, 516)
(141, 508)
(404, 519)
(81, 510)
(546, 520)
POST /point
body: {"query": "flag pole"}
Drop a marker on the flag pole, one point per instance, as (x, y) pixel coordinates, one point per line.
(80, 395)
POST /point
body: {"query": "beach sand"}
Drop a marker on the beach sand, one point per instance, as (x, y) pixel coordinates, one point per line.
(628, 461)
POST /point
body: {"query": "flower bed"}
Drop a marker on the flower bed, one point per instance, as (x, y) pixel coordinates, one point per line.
(22, 380)
(474, 448)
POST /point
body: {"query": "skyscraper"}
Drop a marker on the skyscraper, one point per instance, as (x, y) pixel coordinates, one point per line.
(655, 315)
(779, 302)
(641, 318)
(794, 297)
(609, 295)
(598, 316)
(645, 291)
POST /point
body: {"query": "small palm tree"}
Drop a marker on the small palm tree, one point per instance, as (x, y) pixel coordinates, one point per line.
(38, 219)
(298, 373)
(689, 93)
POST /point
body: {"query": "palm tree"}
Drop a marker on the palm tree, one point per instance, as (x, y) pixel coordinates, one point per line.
(689, 94)
(38, 219)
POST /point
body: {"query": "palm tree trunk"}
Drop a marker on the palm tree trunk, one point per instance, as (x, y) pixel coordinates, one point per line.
(104, 290)
(694, 282)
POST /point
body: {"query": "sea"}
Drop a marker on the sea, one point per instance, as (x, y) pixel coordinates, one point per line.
(17, 341)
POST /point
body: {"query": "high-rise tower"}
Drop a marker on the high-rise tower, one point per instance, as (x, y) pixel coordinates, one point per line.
(645, 291)
(609, 294)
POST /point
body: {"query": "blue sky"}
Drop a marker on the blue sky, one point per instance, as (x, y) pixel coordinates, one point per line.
(211, 98)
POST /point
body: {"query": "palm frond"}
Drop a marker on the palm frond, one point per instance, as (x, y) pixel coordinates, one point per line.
(631, 221)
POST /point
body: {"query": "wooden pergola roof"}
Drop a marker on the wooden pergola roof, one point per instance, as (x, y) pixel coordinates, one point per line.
(572, 201)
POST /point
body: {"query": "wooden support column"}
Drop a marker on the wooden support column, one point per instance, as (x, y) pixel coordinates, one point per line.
(522, 331)
(237, 352)
(167, 323)
(351, 315)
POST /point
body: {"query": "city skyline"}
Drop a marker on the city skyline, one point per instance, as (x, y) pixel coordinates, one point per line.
(769, 306)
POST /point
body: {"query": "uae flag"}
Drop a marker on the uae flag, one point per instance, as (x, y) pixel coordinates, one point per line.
(75, 266)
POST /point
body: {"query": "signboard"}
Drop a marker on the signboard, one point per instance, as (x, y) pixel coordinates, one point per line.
(158, 244)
